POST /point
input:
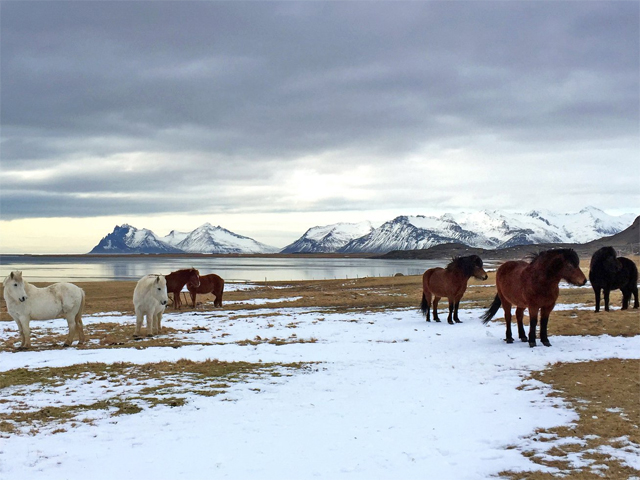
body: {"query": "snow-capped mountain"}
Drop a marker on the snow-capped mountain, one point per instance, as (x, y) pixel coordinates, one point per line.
(209, 239)
(489, 229)
(328, 238)
(128, 239)
(204, 239)
(174, 238)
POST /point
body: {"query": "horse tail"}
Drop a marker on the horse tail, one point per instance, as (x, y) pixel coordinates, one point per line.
(78, 318)
(424, 305)
(493, 309)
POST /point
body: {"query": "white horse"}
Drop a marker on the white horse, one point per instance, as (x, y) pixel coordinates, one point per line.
(150, 299)
(26, 302)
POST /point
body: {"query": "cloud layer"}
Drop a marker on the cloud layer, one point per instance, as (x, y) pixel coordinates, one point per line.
(113, 108)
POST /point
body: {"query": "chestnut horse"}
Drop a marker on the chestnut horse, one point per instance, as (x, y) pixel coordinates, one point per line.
(534, 286)
(178, 279)
(450, 282)
(211, 283)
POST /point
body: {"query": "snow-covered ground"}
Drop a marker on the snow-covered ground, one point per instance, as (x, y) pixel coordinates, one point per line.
(390, 396)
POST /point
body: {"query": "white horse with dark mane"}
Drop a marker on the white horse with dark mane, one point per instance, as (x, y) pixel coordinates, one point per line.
(26, 302)
(150, 299)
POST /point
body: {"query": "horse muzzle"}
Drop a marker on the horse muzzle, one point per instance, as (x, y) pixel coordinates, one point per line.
(163, 302)
(22, 299)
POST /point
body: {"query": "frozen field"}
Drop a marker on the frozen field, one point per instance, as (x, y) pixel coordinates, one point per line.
(385, 395)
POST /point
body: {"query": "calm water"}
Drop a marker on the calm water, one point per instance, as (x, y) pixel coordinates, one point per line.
(42, 268)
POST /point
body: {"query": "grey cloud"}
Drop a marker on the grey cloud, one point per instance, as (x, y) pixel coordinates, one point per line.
(243, 90)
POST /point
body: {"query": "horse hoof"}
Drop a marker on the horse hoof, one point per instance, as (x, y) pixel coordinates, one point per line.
(450, 322)
(508, 340)
(524, 339)
(428, 320)
(546, 343)
(436, 320)
(458, 321)
(65, 344)
(532, 343)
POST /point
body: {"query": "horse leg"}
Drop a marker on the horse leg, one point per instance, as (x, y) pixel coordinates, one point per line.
(218, 302)
(626, 296)
(544, 320)
(193, 299)
(150, 316)
(139, 318)
(507, 320)
(71, 321)
(596, 290)
(533, 323)
(158, 322)
(177, 302)
(635, 296)
(22, 341)
(606, 299)
(456, 307)
(80, 328)
(451, 311)
(519, 317)
(435, 308)
(25, 332)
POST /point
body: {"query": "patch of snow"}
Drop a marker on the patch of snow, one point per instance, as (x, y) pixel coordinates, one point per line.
(388, 398)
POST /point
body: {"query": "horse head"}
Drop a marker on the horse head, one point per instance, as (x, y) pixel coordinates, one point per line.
(159, 290)
(565, 263)
(470, 266)
(194, 278)
(14, 287)
(478, 268)
(606, 258)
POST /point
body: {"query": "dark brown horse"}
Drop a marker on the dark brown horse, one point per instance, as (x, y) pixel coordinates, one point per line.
(178, 279)
(534, 286)
(609, 272)
(450, 282)
(211, 283)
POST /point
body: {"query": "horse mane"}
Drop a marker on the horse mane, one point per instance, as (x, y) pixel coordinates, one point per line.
(184, 270)
(149, 279)
(465, 264)
(569, 254)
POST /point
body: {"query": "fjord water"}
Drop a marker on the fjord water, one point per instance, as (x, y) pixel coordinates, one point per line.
(79, 268)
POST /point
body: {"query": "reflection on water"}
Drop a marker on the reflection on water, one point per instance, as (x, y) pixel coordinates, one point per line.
(86, 268)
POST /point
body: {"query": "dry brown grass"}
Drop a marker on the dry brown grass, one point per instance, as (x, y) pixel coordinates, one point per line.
(606, 395)
(147, 386)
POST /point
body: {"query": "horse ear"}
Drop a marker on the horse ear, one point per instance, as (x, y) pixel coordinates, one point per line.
(158, 279)
(11, 275)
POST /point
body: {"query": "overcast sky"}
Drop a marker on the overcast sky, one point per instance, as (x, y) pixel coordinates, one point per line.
(271, 117)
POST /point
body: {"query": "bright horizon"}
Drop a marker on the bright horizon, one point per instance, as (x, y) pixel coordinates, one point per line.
(269, 118)
(81, 244)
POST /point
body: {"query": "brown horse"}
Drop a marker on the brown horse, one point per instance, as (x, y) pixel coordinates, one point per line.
(534, 286)
(178, 279)
(211, 283)
(450, 282)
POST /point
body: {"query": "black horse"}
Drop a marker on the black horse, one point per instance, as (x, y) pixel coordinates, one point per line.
(609, 272)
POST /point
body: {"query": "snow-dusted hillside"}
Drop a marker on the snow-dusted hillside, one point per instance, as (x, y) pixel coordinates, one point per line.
(204, 239)
(489, 229)
(328, 238)
(128, 239)
(174, 238)
(209, 239)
